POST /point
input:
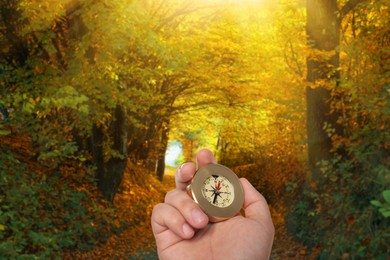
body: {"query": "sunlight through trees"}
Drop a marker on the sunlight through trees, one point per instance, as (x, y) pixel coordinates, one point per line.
(292, 94)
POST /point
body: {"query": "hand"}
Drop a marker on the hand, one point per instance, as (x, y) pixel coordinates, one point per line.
(182, 230)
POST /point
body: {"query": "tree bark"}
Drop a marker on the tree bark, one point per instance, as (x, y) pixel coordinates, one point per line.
(188, 149)
(160, 170)
(323, 30)
(110, 173)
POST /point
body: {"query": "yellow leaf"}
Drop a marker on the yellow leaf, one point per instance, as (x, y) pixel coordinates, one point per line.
(2, 227)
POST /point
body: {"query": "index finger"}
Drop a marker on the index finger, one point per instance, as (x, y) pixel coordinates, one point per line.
(184, 175)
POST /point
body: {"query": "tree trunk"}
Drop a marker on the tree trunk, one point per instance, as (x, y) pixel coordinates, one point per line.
(188, 149)
(162, 150)
(97, 140)
(110, 173)
(323, 30)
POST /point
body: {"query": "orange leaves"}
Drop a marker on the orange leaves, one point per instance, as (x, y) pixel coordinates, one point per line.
(313, 184)
(138, 194)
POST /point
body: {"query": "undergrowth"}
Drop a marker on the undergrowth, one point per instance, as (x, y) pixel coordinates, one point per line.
(341, 215)
(44, 212)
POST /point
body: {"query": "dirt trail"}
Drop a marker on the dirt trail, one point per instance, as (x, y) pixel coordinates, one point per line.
(137, 242)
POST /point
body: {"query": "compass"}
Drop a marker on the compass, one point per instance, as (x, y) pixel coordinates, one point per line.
(218, 191)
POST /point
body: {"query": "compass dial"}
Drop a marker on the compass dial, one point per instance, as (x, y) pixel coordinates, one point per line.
(218, 191)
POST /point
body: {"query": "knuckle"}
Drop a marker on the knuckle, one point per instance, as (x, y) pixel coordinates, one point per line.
(175, 220)
(170, 195)
(183, 203)
(179, 199)
(156, 209)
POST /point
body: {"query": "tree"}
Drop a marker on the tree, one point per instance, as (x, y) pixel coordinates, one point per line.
(335, 212)
(323, 33)
(323, 75)
(48, 58)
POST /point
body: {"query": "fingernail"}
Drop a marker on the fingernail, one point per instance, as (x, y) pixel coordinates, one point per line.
(198, 216)
(187, 230)
(179, 169)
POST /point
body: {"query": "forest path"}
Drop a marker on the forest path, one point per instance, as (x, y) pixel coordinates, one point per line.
(137, 241)
(136, 201)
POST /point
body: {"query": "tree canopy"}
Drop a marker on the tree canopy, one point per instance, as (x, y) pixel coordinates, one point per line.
(293, 94)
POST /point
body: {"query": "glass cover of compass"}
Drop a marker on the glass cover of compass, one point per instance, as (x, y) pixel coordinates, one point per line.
(218, 191)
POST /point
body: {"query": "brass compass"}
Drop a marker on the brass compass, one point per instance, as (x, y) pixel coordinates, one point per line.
(218, 191)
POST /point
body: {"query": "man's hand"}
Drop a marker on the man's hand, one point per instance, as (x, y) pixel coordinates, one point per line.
(182, 230)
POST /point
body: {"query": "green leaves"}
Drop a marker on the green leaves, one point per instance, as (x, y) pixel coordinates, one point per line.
(42, 215)
(69, 97)
(384, 207)
(4, 132)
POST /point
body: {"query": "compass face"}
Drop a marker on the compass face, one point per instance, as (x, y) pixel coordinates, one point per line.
(218, 191)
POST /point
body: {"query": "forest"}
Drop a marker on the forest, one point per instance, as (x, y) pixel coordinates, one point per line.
(293, 95)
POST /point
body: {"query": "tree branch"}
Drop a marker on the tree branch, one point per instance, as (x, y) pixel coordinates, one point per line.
(187, 9)
(349, 6)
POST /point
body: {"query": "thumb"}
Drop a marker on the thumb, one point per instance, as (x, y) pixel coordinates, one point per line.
(255, 205)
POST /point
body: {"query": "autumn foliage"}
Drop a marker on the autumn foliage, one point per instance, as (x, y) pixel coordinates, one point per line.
(93, 92)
